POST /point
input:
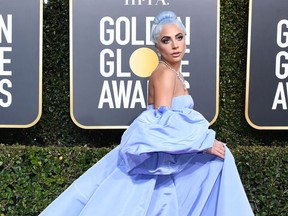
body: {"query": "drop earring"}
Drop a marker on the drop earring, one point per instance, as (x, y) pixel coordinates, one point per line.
(158, 53)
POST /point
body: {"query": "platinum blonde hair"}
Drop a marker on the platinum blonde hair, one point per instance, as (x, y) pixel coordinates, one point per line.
(163, 18)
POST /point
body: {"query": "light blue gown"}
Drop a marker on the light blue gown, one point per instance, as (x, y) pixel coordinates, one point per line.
(159, 168)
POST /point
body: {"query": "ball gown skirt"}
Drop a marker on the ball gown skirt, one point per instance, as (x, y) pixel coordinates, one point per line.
(159, 168)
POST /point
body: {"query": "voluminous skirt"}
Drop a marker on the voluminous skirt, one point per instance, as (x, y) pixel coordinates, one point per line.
(159, 168)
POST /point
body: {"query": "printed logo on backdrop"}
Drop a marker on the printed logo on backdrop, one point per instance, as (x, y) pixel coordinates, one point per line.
(20, 63)
(267, 65)
(112, 57)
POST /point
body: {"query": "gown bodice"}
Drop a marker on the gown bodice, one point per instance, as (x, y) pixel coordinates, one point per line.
(179, 102)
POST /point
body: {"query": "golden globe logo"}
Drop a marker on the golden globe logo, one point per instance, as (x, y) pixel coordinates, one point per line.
(112, 57)
(142, 63)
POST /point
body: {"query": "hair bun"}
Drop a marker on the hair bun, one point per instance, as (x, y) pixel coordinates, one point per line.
(164, 16)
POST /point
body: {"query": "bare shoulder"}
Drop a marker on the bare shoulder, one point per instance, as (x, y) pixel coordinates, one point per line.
(161, 87)
(162, 75)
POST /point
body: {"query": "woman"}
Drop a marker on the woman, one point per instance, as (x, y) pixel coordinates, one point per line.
(168, 162)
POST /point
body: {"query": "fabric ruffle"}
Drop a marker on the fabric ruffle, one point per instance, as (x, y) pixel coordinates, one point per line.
(162, 141)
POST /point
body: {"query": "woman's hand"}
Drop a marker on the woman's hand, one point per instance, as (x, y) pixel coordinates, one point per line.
(217, 149)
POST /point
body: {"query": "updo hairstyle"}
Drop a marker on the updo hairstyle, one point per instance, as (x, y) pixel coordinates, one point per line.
(163, 18)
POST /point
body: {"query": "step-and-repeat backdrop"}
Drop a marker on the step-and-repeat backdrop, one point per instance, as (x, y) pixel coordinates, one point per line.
(112, 57)
(20, 63)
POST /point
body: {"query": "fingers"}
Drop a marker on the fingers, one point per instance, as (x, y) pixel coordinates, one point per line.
(221, 152)
(220, 149)
(217, 149)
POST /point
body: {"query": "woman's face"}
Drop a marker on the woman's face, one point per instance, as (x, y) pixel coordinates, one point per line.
(171, 43)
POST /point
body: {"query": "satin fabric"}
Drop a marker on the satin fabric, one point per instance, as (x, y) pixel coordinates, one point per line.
(159, 168)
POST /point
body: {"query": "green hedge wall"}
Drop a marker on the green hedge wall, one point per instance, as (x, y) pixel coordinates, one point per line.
(31, 177)
(57, 128)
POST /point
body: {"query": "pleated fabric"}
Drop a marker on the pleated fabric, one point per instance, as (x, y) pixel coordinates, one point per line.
(159, 169)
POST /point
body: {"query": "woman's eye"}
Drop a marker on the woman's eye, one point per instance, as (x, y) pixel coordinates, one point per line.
(165, 41)
(180, 37)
